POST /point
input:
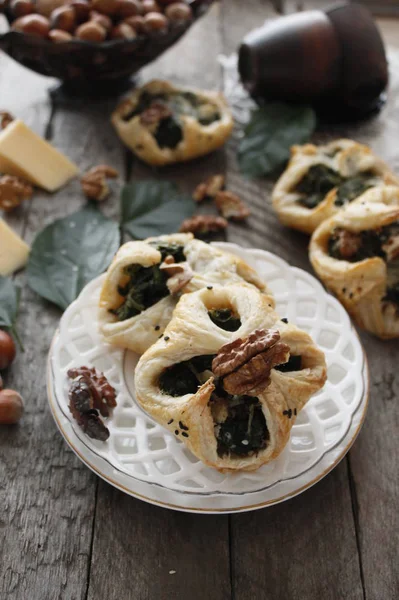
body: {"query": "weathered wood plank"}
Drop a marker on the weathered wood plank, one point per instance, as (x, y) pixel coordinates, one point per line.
(302, 552)
(140, 543)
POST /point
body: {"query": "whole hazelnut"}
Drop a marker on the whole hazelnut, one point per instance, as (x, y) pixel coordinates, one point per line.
(138, 24)
(91, 32)
(105, 7)
(150, 6)
(32, 24)
(19, 8)
(129, 8)
(178, 12)
(155, 21)
(7, 350)
(123, 31)
(63, 18)
(11, 407)
(46, 7)
(102, 20)
(58, 36)
(82, 10)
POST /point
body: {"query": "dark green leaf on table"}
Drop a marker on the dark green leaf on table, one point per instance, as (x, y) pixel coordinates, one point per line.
(151, 208)
(269, 135)
(9, 304)
(69, 253)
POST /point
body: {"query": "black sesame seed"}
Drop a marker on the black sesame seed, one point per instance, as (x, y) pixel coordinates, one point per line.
(170, 422)
(161, 336)
(209, 287)
(295, 412)
(343, 290)
(285, 320)
(184, 434)
(167, 338)
(176, 432)
(182, 426)
(157, 327)
(288, 413)
(351, 295)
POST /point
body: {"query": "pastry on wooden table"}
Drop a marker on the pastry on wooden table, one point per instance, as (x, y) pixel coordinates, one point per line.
(320, 180)
(356, 254)
(163, 124)
(146, 279)
(230, 391)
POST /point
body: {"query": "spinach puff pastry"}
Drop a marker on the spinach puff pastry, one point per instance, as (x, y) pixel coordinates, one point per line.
(230, 390)
(356, 254)
(146, 278)
(163, 124)
(320, 180)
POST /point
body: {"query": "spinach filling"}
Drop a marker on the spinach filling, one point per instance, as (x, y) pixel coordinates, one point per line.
(225, 319)
(244, 430)
(169, 131)
(294, 364)
(184, 378)
(320, 180)
(146, 285)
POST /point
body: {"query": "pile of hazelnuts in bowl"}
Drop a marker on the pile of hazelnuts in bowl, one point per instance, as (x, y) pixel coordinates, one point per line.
(96, 21)
(11, 404)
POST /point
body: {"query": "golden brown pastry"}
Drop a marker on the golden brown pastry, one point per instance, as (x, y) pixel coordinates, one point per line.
(146, 278)
(229, 389)
(320, 180)
(163, 124)
(356, 254)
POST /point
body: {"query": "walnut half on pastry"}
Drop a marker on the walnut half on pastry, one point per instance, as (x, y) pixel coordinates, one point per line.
(229, 388)
(163, 124)
(356, 254)
(146, 279)
(320, 180)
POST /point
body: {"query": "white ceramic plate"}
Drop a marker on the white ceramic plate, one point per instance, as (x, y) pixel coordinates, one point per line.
(146, 461)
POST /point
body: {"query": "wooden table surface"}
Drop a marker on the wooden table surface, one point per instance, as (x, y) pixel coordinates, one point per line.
(64, 533)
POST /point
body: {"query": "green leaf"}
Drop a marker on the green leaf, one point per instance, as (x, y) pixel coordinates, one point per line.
(69, 253)
(9, 301)
(269, 135)
(151, 208)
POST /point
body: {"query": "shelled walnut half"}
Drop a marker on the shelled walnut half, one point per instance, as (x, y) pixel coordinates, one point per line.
(13, 191)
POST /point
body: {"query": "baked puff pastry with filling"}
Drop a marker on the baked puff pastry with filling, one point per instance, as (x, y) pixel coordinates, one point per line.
(163, 124)
(356, 254)
(146, 279)
(320, 180)
(231, 390)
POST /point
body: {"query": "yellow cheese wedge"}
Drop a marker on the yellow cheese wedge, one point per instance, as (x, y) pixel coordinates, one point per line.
(25, 154)
(13, 250)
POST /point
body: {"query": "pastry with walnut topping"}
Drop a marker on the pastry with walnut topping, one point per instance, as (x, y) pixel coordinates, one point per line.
(228, 377)
(163, 124)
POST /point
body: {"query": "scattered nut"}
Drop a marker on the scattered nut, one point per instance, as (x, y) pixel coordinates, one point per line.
(155, 21)
(102, 20)
(106, 7)
(46, 7)
(7, 350)
(129, 8)
(203, 224)
(138, 24)
(245, 364)
(178, 12)
(82, 10)
(63, 18)
(123, 31)
(209, 188)
(58, 36)
(102, 392)
(11, 407)
(91, 32)
(19, 8)
(179, 274)
(231, 206)
(32, 24)
(94, 182)
(13, 191)
(150, 6)
(5, 119)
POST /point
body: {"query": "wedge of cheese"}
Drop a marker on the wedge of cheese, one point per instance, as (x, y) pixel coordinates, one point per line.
(13, 250)
(25, 154)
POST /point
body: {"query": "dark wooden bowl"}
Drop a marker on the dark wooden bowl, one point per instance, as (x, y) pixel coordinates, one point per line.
(86, 66)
